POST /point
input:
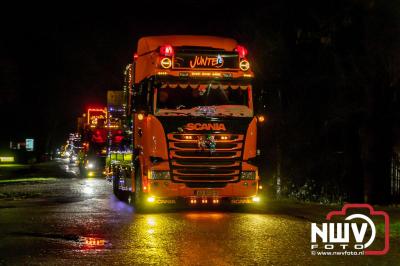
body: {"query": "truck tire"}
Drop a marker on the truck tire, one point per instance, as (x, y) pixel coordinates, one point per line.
(127, 195)
(117, 192)
(122, 195)
(138, 195)
(130, 198)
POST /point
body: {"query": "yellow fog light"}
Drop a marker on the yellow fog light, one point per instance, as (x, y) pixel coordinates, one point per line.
(151, 199)
(261, 118)
(256, 199)
(166, 62)
(90, 174)
(140, 117)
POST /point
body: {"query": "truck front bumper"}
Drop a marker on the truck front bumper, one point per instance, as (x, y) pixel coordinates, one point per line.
(202, 201)
(168, 191)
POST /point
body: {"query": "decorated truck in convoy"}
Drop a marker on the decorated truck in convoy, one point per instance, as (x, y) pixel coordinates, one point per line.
(93, 128)
(191, 125)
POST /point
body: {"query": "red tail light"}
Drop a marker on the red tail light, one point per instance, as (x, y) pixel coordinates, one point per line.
(135, 56)
(242, 51)
(167, 50)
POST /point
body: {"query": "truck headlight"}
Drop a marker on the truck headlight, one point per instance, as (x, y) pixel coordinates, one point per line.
(248, 175)
(255, 199)
(156, 175)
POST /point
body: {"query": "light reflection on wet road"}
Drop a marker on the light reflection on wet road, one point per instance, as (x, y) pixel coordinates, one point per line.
(79, 221)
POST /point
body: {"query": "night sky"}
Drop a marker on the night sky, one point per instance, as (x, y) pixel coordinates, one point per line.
(55, 63)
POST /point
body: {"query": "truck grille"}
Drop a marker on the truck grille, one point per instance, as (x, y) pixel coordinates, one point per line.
(191, 163)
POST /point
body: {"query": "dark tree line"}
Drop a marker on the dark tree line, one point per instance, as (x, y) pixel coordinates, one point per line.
(328, 72)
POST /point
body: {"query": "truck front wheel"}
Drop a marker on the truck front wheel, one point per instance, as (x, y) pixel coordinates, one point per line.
(117, 192)
(138, 189)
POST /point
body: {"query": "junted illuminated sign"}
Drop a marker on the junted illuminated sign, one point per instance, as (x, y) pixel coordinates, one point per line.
(205, 61)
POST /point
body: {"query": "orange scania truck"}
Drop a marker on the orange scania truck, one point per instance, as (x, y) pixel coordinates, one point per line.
(192, 124)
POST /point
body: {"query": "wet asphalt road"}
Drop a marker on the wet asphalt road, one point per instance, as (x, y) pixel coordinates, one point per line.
(77, 221)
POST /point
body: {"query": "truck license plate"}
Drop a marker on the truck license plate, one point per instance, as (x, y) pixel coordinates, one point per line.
(206, 193)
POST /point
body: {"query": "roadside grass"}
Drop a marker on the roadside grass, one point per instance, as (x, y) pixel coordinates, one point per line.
(24, 187)
(14, 165)
(10, 173)
(28, 179)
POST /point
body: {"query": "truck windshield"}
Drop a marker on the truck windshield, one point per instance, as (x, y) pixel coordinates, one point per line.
(197, 100)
